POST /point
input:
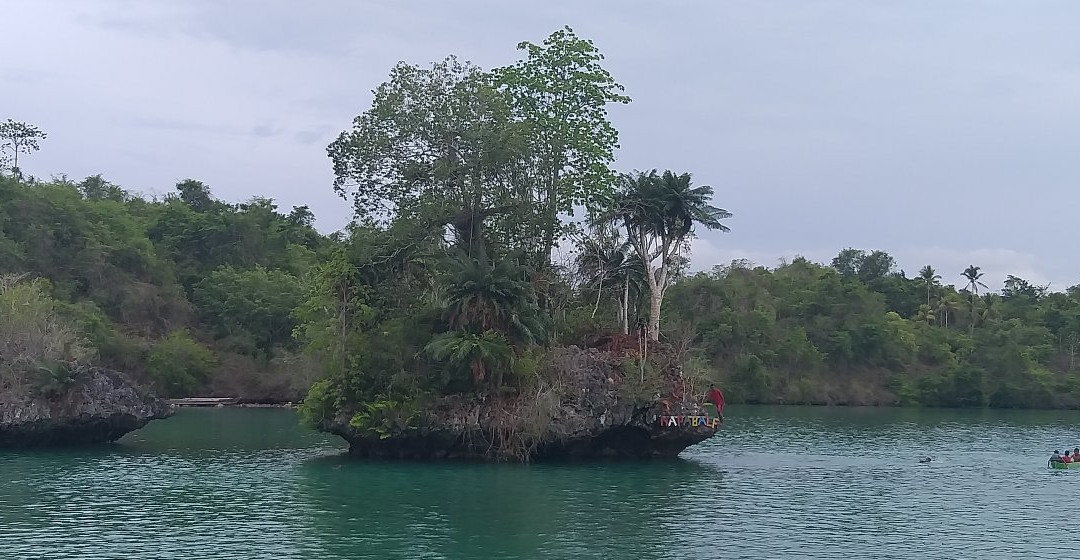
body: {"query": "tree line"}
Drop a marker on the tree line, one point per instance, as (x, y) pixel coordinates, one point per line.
(464, 181)
(858, 331)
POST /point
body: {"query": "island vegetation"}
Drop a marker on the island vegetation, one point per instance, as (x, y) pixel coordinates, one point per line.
(491, 233)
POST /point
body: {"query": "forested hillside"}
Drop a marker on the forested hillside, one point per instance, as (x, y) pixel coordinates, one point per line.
(859, 332)
(190, 292)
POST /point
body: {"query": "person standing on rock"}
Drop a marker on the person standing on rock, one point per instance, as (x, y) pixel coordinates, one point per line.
(717, 398)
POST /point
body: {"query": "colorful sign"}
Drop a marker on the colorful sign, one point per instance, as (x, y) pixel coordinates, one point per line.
(689, 422)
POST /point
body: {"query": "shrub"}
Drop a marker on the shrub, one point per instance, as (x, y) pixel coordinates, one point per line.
(178, 365)
(33, 335)
(320, 404)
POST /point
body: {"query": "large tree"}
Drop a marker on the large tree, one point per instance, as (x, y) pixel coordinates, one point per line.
(560, 93)
(436, 146)
(659, 213)
(501, 155)
(19, 138)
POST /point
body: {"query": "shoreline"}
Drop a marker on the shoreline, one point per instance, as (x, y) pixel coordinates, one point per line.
(223, 402)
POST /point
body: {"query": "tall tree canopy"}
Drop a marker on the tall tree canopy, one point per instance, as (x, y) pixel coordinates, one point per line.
(437, 145)
(513, 150)
(561, 93)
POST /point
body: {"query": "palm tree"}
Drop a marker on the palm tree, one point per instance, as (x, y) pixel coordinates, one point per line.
(945, 306)
(929, 277)
(973, 275)
(600, 258)
(990, 309)
(659, 213)
(480, 353)
(482, 296)
(492, 312)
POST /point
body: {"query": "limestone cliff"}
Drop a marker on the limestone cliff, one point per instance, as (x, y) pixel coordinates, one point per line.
(586, 407)
(92, 405)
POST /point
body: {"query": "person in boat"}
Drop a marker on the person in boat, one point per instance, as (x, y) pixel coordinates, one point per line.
(1056, 457)
(1065, 458)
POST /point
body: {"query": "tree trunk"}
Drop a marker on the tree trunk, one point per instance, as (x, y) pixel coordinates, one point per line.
(656, 297)
(599, 292)
(971, 327)
(624, 304)
(551, 216)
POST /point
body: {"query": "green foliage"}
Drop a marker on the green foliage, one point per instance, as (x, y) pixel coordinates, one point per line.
(177, 364)
(560, 95)
(804, 332)
(438, 146)
(53, 379)
(255, 305)
(321, 404)
(386, 417)
(36, 340)
(483, 296)
(642, 380)
(127, 269)
(477, 354)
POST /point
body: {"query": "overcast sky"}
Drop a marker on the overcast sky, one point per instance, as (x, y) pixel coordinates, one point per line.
(944, 133)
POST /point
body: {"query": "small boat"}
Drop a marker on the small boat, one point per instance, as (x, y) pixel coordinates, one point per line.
(1056, 465)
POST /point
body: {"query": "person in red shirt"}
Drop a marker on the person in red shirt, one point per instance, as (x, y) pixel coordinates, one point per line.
(717, 398)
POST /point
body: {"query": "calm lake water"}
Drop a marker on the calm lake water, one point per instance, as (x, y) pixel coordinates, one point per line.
(777, 481)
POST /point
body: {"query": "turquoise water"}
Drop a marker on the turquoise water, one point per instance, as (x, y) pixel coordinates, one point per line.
(778, 481)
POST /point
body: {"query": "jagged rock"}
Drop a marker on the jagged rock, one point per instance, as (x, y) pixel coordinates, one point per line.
(96, 406)
(584, 413)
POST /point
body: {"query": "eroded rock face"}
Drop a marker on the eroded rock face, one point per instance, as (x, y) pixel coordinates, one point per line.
(589, 411)
(98, 406)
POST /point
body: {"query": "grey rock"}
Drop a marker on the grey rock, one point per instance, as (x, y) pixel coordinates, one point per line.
(586, 415)
(96, 406)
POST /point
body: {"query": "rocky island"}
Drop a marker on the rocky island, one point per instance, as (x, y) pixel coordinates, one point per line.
(582, 405)
(94, 405)
(49, 396)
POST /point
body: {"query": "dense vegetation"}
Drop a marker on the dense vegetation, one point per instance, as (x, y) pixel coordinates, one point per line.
(188, 291)
(465, 183)
(859, 332)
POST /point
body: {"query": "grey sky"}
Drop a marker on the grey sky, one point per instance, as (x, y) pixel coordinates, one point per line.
(942, 132)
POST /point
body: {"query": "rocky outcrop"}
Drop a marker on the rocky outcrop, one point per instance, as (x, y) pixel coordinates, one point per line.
(93, 405)
(587, 408)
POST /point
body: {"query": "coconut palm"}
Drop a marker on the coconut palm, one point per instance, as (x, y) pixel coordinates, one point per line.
(990, 310)
(945, 306)
(930, 278)
(973, 274)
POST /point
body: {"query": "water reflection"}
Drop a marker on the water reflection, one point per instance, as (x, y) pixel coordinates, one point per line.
(504, 511)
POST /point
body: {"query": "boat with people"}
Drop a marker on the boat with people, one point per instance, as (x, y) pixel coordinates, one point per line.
(1066, 461)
